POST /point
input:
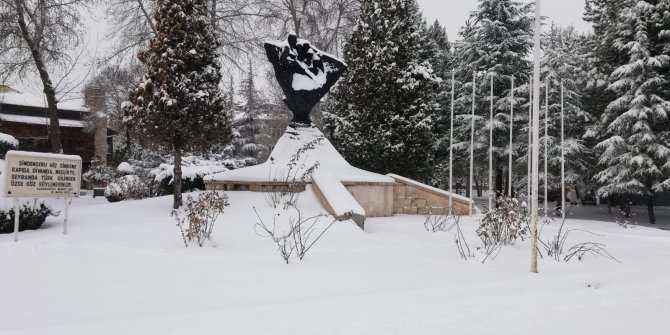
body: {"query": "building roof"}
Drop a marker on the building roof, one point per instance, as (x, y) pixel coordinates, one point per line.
(10, 96)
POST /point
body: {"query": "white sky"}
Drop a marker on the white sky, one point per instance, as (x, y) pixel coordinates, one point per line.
(453, 13)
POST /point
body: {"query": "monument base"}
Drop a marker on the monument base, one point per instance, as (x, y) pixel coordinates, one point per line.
(302, 151)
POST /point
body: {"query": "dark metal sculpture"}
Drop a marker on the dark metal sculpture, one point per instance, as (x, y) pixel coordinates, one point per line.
(304, 73)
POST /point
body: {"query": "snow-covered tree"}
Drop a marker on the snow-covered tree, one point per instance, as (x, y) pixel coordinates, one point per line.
(496, 41)
(635, 154)
(248, 125)
(178, 104)
(562, 64)
(382, 112)
(442, 62)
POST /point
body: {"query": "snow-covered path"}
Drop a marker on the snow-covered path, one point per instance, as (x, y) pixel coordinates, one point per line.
(123, 270)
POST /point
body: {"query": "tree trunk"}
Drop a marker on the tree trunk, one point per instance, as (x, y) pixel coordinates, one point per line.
(176, 180)
(650, 209)
(48, 88)
(128, 147)
(477, 187)
(500, 187)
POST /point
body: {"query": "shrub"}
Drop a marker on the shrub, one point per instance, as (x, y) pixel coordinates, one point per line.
(31, 217)
(7, 142)
(126, 187)
(196, 218)
(502, 225)
(98, 173)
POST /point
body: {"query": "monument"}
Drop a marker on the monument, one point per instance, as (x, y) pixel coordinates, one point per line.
(305, 75)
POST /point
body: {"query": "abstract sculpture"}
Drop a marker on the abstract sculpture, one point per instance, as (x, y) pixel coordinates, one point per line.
(304, 73)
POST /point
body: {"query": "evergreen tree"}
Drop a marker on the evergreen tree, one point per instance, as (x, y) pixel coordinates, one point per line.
(495, 44)
(442, 62)
(635, 156)
(381, 114)
(562, 64)
(178, 104)
(248, 127)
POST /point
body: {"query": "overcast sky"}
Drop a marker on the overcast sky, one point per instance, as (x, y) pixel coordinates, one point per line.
(453, 13)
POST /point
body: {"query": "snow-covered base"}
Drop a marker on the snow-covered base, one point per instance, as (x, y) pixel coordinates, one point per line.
(124, 270)
(275, 168)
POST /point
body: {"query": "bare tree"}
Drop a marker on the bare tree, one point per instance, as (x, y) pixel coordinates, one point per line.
(326, 23)
(108, 90)
(39, 34)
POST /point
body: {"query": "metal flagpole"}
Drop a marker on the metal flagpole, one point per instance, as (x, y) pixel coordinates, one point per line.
(546, 137)
(472, 140)
(530, 137)
(562, 152)
(511, 126)
(451, 142)
(536, 134)
(491, 194)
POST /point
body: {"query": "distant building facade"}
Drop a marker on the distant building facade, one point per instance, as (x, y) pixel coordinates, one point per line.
(29, 124)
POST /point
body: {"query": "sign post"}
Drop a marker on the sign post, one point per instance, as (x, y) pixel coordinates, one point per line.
(41, 175)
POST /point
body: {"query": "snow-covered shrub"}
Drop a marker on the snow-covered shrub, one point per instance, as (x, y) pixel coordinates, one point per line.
(99, 173)
(294, 234)
(193, 169)
(126, 187)
(125, 168)
(7, 142)
(31, 216)
(197, 217)
(502, 225)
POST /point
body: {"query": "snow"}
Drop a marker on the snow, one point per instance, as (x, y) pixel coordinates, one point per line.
(308, 83)
(337, 196)
(430, 188)
(41, 120)
(124, 270)
(287, 146)
(38, 99)
(44, 155)
(125, 167)
(191, 168)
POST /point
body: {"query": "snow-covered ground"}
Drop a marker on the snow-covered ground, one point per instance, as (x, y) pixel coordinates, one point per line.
(124, 270)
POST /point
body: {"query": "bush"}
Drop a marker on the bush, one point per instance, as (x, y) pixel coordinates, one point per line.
(126, 187)
(98, 173)
(30, 217)
(502, 225)
(7, 142)
(196, 218)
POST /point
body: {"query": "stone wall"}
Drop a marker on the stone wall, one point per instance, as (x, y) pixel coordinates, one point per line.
(416, 198)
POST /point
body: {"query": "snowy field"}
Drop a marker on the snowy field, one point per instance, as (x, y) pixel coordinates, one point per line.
(124, 270)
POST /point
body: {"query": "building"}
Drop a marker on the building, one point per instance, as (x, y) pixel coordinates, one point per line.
(25, 117)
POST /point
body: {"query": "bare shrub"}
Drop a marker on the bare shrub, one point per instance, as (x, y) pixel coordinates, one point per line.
(446, 223)
(555, 247)
(196, 218)
(295, 176)
(296, 236)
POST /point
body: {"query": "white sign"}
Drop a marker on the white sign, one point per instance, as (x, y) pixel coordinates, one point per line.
(41, 175)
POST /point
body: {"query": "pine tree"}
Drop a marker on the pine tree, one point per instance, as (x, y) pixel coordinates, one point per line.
(178, 104)
(562, 63)
(248, 127)
(381, 114)
(496, 42)
(442, 62)
(635, 156)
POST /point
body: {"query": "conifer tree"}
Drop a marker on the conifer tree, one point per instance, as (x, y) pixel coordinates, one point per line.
(496, 42)
(442, 62)
(635, 154)
(562, 63)
(382, 112)
(248, 127)
(178, 104)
